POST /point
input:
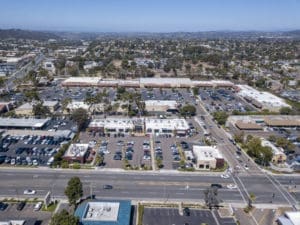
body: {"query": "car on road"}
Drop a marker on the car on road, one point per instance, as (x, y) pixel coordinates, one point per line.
(225, 176)
(21, 205)
(107, 187)
(246, 167)
(231, 186)
(216, 185)
(29, 192)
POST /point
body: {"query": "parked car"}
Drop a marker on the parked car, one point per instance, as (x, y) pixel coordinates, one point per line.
(186, 211)
(38, 206)
(3, 206)
(21, 205)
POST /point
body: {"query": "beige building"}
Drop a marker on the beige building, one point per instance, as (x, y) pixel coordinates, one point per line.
(26, 108)
(278, 153)
(208, 157)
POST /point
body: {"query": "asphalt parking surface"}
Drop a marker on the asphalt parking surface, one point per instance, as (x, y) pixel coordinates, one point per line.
(223, 100)
(11, 213)
(171, 216)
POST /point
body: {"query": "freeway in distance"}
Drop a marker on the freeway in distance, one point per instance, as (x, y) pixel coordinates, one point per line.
(145, 186)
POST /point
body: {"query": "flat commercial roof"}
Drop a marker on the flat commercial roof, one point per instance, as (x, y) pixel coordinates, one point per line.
(29, 105)
(58, 133)
(206, 152)
(157, 105)
(23, 122)
(294, 217)
(169, 124)
(265, 98)
(104, 212)
(77, 150)
(282, 122)
(113, 123)
(247, 126)
(148, 81)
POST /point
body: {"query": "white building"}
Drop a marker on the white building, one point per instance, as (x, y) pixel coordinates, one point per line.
(76, 153)
(161, 106)
(177, 127)
(112, 125)
(26, 108)
(76, 105)
(266, 99)
(166, 126)
(144, 82)
(289, 218)
(49, 66)
(91, 64)
(208, 157)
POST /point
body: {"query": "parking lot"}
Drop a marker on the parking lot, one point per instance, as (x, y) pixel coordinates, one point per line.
(29, 150)
(153, 216)
(136, 151)
(27, 213)
(223, 100)
(182, 96)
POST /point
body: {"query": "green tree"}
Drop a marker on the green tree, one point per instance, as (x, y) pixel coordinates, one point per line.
(285, 111)
(32, 76)
(195, 91)
(74, 190)
(254, 147)
(2, 82)
(73, 70)
(220, 117)
(64, 218)
(39, 109)
(272, 138)
(81, 117)
(32, 95)
(239, 137)
(65, 102)
(43, 72)
(188, 110)
(125, 64)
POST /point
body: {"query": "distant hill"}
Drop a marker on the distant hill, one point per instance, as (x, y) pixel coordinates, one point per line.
(27, 34)
(59, 35)
(294, 32)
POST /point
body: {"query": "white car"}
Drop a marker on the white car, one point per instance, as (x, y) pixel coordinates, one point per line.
(38, 206)
(29, 192)
(231, 186)
(246, 167)
(225, 176)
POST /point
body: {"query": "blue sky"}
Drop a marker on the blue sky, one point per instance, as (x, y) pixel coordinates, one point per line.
(150, 15)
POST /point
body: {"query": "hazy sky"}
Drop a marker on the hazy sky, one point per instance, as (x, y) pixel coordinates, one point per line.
(150, 15)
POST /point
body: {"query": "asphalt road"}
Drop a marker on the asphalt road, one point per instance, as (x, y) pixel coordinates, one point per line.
(22, 72)
(227, 148)
(146, 186)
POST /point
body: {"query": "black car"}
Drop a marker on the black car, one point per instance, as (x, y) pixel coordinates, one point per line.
(216, 185)
(107, 186)
(186, 211)
(3, 206)
(21, 205)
